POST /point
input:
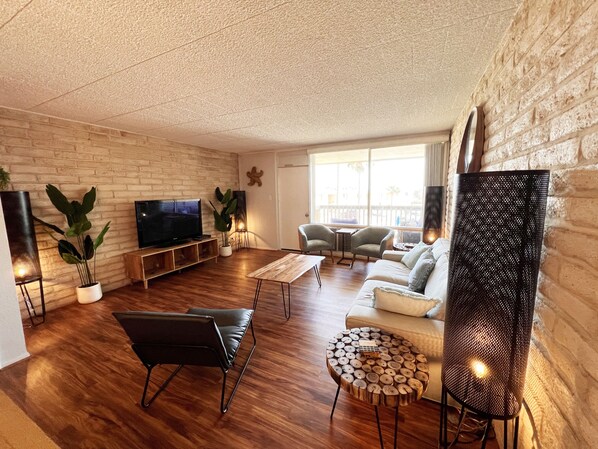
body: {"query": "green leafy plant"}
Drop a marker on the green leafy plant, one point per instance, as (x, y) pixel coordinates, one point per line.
(75, 245)
(4, 179)
(223, 220)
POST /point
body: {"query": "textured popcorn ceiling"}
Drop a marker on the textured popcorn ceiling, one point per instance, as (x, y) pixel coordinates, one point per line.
(249, 75)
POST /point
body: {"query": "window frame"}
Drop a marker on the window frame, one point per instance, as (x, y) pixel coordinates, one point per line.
(369, 149)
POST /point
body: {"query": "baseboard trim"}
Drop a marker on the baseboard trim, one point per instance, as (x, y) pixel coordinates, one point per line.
(14, 360)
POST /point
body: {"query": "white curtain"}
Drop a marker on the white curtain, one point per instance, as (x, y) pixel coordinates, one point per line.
(435, 165)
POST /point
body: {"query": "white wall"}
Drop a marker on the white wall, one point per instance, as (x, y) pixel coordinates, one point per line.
(12, 339)
(262, 215)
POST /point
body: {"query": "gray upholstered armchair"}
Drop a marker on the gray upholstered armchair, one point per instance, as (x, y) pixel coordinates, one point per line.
(371, 242)
(316, 237)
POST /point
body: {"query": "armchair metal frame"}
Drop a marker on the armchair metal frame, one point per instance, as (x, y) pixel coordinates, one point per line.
(153, 353)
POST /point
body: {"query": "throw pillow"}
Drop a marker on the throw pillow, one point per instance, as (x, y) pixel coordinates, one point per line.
(438, 312)
(420, 273)
(410, 259)
(403, 301)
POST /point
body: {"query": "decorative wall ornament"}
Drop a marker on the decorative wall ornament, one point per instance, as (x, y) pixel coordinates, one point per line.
(254, 177)
(472, 143)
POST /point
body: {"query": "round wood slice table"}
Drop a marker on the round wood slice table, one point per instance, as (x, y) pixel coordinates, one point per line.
(397, 377)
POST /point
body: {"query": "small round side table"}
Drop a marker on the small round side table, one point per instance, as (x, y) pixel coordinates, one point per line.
(398, 376)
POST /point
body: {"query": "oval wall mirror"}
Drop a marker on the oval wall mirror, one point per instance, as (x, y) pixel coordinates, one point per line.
(472, 143)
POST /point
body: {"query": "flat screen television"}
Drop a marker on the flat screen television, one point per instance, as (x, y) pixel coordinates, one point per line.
(167, 222)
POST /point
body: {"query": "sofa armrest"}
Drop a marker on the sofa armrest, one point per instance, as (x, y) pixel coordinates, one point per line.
(395, 256)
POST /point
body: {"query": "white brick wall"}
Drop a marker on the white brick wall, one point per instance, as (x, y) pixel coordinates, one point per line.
(540, 99)
(39, 150)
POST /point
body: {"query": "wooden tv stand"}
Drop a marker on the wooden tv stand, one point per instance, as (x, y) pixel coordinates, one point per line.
(146, 264)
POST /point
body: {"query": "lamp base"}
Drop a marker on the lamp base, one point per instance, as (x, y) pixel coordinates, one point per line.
(443, 441)
(22, 284)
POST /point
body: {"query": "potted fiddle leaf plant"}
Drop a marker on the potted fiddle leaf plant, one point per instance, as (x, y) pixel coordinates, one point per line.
(75, 245)
(223, 220)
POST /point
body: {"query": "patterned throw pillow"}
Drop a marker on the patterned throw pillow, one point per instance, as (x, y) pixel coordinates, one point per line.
(421, 272)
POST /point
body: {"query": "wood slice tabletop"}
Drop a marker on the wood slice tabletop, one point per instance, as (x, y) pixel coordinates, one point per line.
(398, 377)
(286, 269)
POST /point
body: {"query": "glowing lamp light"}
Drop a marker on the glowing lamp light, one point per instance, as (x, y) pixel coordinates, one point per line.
(241, 226)
(480, 370)
(429, 237)
(21, 272)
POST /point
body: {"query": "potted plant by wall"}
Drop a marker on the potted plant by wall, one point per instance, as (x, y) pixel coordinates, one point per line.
(4, 179)
(223, 220)
(75, 245)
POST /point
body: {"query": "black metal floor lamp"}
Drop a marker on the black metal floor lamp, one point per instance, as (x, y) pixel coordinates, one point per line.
(493, 271)
(23, 248)
(241, 219)
(433, 213)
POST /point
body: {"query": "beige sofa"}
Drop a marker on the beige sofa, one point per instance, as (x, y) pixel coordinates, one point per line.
(427, 332)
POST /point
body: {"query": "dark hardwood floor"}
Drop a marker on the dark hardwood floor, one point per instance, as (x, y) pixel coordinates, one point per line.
(82, 383)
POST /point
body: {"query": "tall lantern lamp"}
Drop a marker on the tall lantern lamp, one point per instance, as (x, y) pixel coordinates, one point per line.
(433, 212)
(493, 272)
(241, 218)
(22, 243)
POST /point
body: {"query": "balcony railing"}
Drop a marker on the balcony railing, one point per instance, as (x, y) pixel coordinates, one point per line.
(408, 216)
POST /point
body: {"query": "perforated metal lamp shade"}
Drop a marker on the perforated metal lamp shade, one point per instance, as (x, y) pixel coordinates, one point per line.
(21, 235)
(241, 212)
(493, 271)
(433, 212)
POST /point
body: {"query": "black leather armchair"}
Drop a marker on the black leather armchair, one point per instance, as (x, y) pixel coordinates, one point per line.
(206, 337)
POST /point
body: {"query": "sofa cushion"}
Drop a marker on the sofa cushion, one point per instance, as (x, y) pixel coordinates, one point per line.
(389, 271)
(436, 287)
(403, 301)
(410, 259)
(365, 296)
(420, 273)
(393, 255)
(424, 333)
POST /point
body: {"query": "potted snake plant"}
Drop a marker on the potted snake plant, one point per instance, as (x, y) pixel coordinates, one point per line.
(223, 220)
(75, 245)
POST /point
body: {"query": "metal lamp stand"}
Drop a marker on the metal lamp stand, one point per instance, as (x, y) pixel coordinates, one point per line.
(27, 300)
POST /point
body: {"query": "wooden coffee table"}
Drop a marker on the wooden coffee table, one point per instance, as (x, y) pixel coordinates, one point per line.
(286, 271)
(398, 377)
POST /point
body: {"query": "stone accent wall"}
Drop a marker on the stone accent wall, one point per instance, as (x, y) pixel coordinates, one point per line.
(539, 96)
(39, 150)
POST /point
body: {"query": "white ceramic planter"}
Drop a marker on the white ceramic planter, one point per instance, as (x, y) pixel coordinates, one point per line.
(87, 295)
(226, 251)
